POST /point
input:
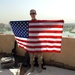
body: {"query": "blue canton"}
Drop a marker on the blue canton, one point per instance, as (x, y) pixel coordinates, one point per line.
(20, 28)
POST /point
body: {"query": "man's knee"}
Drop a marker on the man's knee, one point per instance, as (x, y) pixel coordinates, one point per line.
(31, 58)
(32, 61)
(40, 60)
(40, 57)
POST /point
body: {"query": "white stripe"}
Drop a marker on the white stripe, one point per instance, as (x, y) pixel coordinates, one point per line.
(39, 29)
(20, 45)
(47, 23)
(40, 39)
(32, 49)
(21, 38)
(40, 49)
(45, 34)
(47, 39)
(38, 44)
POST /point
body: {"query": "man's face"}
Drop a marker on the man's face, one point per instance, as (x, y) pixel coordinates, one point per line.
(33, 15)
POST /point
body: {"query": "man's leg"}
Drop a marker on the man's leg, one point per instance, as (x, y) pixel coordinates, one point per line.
(40, 56)
(32, 61)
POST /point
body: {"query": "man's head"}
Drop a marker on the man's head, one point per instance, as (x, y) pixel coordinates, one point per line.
(33, 14)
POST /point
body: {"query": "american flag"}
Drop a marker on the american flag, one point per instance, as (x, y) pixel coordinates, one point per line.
(38, 35)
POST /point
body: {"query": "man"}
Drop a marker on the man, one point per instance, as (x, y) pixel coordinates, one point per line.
(33, 14)
(33, 55)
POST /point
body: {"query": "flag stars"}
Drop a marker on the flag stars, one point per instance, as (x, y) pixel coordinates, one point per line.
(20, 28)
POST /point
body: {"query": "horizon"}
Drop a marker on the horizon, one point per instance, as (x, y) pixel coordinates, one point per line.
(46, 10)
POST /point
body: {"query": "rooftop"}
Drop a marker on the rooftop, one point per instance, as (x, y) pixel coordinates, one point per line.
(49, 71)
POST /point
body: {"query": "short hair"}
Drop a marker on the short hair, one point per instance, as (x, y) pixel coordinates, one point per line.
(32, 11)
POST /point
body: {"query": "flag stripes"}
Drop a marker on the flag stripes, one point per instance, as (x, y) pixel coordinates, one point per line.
(44, 36)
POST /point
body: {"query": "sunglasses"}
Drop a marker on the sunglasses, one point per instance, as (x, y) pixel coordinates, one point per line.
(32, 13)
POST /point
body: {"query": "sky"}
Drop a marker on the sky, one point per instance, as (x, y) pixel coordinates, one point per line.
(46, 10)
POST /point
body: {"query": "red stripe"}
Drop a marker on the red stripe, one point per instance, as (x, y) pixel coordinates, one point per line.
(43, 51)
(45, 37)
(44, 46)
(46, 31)
(46, 26)
(51, 21)
(42, 42)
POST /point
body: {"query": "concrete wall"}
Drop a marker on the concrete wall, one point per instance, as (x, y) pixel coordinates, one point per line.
(66, 56)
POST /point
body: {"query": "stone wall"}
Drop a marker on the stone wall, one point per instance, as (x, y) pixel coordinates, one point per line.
(66, 56)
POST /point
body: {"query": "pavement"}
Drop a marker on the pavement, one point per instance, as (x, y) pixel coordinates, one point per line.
(13, 71)
(51, 71)
(9, 72)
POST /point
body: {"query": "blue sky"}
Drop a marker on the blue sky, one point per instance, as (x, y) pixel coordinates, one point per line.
(46, 9)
